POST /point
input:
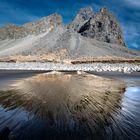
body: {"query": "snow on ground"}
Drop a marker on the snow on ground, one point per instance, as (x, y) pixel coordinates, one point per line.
(99, 67)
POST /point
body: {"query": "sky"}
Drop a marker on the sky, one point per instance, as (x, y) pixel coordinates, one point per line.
(126, 11)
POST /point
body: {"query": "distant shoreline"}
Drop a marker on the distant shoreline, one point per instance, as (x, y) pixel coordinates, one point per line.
(97, 67)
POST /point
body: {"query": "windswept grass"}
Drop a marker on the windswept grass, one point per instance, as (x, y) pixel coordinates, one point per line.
(51, 57)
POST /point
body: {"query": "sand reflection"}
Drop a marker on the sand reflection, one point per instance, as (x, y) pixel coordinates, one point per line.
(69, 102)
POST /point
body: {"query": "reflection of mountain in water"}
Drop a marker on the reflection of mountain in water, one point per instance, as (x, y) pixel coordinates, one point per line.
(61, 106)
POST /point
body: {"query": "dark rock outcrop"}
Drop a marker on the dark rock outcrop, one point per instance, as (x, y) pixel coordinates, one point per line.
(102, 26)
(82, 17)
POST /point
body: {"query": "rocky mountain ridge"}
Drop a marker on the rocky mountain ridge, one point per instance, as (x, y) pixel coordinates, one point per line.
(102, 26)
(89, 35)
(12, 31)
(82, 17)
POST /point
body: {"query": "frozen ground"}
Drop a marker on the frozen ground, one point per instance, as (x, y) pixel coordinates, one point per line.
(98, 67)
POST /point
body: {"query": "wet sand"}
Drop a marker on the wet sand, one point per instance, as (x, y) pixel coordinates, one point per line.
(69, 106)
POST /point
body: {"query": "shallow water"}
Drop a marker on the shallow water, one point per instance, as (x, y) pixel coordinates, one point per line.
(70, 106)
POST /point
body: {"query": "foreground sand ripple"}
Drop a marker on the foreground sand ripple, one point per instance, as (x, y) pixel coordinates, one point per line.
(68, 102)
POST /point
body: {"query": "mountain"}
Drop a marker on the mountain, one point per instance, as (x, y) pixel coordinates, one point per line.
(43, 25)
(82, 17)
(88, 35)
(102, 26)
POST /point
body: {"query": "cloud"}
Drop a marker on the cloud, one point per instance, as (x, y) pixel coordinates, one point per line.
(135, 3)
(135, 45)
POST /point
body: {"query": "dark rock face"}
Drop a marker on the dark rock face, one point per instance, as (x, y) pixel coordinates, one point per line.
(102, 26)
(82, 17)
(12, 31)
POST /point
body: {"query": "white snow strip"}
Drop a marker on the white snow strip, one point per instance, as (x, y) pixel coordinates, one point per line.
(99, 67)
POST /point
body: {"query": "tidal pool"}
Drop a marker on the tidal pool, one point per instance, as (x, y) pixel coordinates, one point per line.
(70, 106)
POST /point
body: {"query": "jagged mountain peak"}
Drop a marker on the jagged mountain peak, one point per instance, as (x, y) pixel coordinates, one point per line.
(102, 26)
(83, 15)
(54, 18)
(12, 31)
(104, 10)
(47, 36)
